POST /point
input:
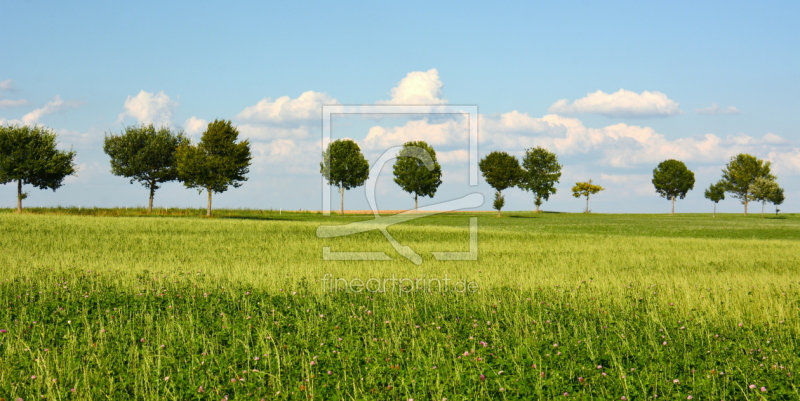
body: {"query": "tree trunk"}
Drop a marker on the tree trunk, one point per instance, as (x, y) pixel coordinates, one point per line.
(19, 196)
(208, 209)
(764, 203)
(673, 205)
(152, 194)
(715, 210)
(745, 207)
(538, 202)
(587, 204)
(416, 203)
(498, 214)
(341, 202)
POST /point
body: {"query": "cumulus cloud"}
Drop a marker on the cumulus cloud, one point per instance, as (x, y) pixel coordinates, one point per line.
(194, 125)
(7, 85)
(149, 108)
(53, 106)
(715, 109)
(418, 88)
(452, 132)
(306, 107)
(622, 103)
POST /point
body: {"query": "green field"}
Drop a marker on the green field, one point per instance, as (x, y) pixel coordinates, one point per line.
(113, 304)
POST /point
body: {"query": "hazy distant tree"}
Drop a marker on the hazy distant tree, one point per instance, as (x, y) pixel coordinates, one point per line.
(344, 165)
(28, 155)
(413, 174)
(672, 180)
(215, 163)
(762, 190)
(585, 189)
(146, 155)
(499, 202)
(741, 172)
(777, 198)
(715, 193)
(500, 170)
(540, 173)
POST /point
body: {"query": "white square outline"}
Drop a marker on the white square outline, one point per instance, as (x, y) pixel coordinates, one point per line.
(472, 124)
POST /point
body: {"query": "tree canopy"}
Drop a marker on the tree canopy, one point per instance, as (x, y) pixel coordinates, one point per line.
(500, 170)
(715, 193)
(586, 189)
(763, 190)
(673, 180)
(540, 173)
(741, 172)
(145, 155)
(344, 166)
(28, 155)
(217, 162)
(416, 170)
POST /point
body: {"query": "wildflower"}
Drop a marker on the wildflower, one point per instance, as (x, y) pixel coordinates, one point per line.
(500, 372)
(676, 381)
(3, 331)
(689, 397)
(201, 389)
(623, 398)
(752, 386)
(763, 389)
(502, 389)
(566, 394)
(330, 373)
(34, 378)
(166, 378)
(581, 380)
(256, 358)
(313, 363)
(599, 366)
(483, 378)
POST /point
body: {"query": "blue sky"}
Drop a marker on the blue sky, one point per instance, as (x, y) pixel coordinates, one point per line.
(87, 68)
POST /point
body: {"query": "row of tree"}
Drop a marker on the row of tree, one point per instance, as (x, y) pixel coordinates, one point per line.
(150, 156)
(745, 177)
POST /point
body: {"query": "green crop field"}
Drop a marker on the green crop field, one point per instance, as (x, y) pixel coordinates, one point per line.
(114, 304)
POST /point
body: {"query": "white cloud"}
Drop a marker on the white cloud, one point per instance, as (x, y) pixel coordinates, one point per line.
(622, 103)
(286, 155)
(627, 184)
(450, 132)
(714, 109)
(6, 85)
(53, 106)
(194, 125)
(306, 107)
(147, 108)
(418, 88)
(8, 103)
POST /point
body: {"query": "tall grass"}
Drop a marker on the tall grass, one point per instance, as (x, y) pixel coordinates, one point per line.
(592, 306)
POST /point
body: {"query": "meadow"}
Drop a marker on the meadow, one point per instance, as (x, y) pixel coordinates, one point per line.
(116, 304)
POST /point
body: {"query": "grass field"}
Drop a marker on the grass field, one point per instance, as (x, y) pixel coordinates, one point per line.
(113, 304)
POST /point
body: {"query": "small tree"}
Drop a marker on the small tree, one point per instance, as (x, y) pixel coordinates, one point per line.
(413, 174)
(146, 155)
(762, 190)
(673, 180)
(777, 198)
(715, 193)
(28, 155)
(540, 173)
(500, 170)
(215, 163)
(585, 189)
(344, 165)
(740, 173)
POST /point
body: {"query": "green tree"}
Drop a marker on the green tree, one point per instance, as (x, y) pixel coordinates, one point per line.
(28, 155)
(540, 173)
(740, 173)
(217, 162)
(417, 171)
(344, 165)
(777, 198)
(672, 180)
(715, 193)
(145, 155)
(762, 190)
(500, 170)
(586, 189)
